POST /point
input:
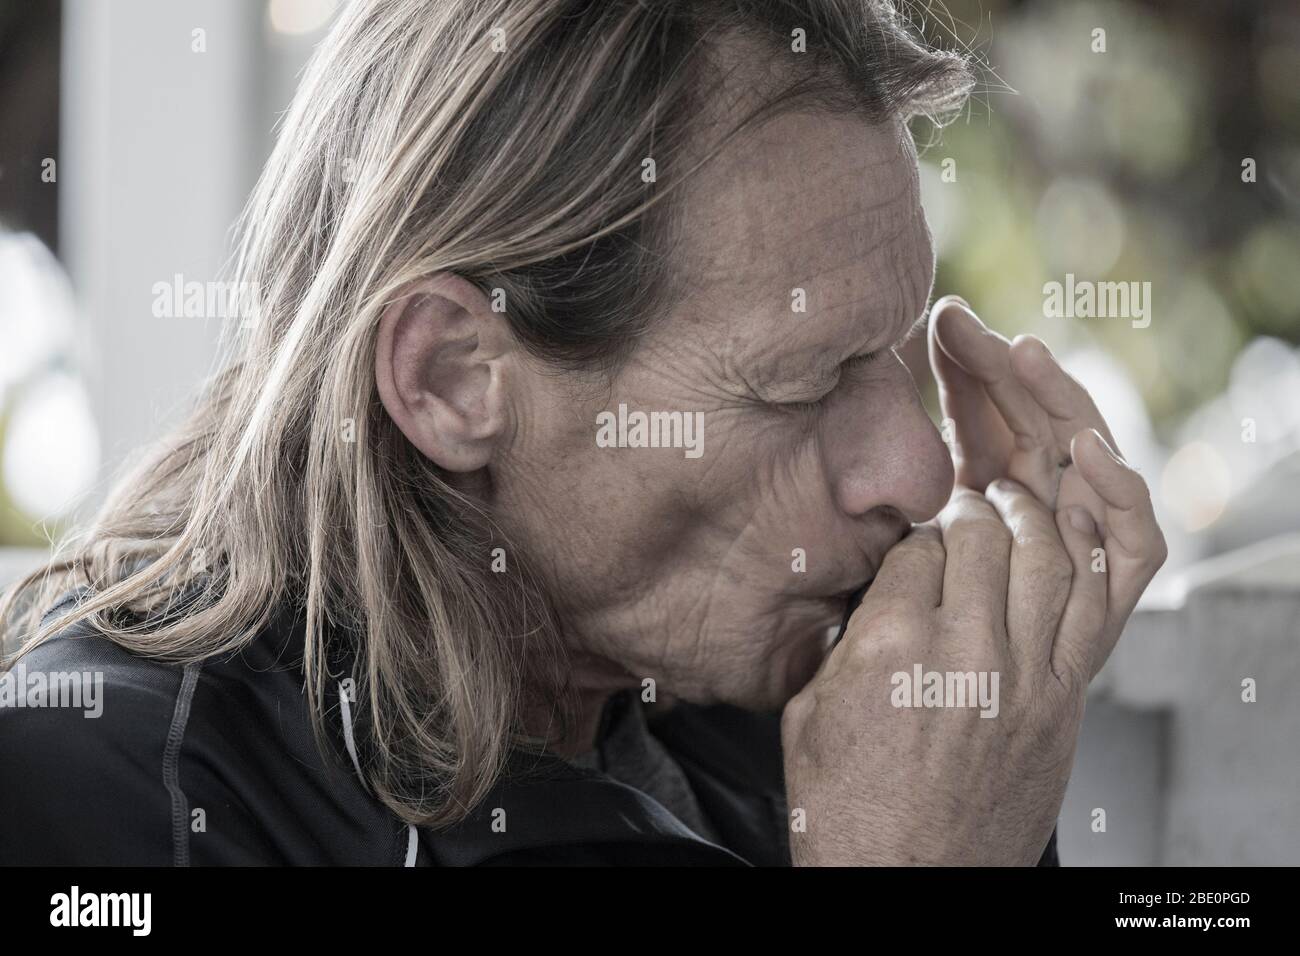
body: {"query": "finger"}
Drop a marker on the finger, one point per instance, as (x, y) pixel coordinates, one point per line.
(910, 578)
(1081, 644)
(1041, 574)
(1069, 407)
(978, 548)
(912, 573)
(986, 356)
(982, 440)
(1075, 490)
(1135, 546)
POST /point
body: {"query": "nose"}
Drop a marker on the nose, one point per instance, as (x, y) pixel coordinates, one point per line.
(881, 448)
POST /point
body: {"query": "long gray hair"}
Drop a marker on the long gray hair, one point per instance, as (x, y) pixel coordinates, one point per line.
(502, 140)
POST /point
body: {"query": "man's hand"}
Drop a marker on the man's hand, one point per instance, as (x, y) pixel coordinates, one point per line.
(993, 588)
(1009, 583)
(1018, 414)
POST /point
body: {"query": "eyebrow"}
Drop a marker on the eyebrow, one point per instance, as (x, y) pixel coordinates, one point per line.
(823, 376)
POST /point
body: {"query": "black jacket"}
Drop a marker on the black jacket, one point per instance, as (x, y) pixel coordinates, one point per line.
(216, 763)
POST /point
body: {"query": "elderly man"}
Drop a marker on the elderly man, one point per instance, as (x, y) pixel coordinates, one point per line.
(571, 424)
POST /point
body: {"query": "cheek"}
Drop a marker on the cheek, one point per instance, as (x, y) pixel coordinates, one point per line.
(613, 517)
(735, 514)
(767, 504)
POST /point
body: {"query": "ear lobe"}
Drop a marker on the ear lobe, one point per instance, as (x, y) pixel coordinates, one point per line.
(438, 371)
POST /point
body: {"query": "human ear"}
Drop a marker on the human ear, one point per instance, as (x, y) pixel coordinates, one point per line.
(438, 369)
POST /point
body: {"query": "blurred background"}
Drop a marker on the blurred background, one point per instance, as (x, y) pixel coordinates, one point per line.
(1147, 141)
(1150, 142)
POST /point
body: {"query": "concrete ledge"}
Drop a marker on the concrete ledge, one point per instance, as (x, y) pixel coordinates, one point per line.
(1219, 783)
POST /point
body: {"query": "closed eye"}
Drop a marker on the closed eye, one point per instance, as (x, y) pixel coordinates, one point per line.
(856, 361)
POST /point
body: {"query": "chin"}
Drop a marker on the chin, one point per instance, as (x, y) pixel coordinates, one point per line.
(777, 664)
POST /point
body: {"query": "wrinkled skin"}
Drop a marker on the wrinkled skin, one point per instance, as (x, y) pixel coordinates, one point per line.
(681, 569)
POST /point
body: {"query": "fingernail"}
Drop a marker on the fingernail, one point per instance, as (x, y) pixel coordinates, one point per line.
(1037, 343)
(1081, 520)
(1106, 445)
(950, 299)
(943, 301)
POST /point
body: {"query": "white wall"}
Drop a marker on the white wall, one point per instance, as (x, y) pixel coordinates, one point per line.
(160, 145)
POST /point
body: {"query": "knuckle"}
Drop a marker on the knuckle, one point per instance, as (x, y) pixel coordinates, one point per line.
(890, 625)
(979, 533)
(925, 538)
(857, 652)
(968, 505)
(921, 554)
(796, 712)
(891, 634)
(862, 653)
(1153, 556)
(969, 498)
(1160, 553)
(1070, 673)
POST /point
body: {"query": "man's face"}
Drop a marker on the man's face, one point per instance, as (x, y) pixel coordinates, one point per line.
(720, 575)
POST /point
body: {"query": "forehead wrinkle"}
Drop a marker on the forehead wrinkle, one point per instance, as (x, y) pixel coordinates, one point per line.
(866, 276)
(865, 249)
(834, 196)
(872, 224)
(862, 223)
(877, 301)
(808, 349)
(832, 219)
(859, 259)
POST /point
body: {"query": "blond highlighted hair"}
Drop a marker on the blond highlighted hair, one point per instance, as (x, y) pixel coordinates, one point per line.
(501, 140)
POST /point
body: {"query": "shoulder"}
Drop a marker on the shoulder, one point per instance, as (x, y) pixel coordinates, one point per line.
(112, 757)
(83, 726)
